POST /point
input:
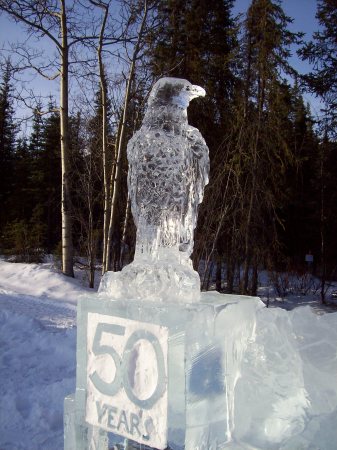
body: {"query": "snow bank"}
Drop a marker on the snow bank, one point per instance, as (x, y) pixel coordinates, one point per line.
(39, 280)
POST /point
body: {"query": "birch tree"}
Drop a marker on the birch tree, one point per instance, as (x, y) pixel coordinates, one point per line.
(123, 47)
(122, 129)
(103, 97)
(52, 21)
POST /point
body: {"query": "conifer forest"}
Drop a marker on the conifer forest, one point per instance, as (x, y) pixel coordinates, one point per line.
(272, 195)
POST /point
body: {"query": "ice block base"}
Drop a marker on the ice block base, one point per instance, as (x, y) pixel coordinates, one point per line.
(157, 375)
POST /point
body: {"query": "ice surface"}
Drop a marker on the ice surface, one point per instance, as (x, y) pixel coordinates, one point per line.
(239, 375)
(168, 171)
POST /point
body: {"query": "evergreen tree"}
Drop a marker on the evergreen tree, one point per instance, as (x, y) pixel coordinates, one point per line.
(25, 230)
(327, 194)
(299, 215)
(322, 53)
(50, 164)
(36, 144)
(19, 203)
(266, 150)
(8, 131)
(197, 41)
(249, 171)
(36, 155)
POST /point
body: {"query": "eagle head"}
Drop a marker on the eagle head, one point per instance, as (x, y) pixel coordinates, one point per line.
(174, 91)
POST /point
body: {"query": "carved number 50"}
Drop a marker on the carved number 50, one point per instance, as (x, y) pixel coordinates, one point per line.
(122, 364)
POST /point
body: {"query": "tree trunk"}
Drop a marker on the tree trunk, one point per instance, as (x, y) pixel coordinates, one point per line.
(120, 143)
(91, 239)
(67, 241)
(322, 228)
(230, 277)
(106, 178)
(218, 274)
(125, 227)
(255, 278)
(210, 276)
(254, 187)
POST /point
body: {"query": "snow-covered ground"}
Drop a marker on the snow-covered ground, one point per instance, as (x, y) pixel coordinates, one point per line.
(37, 366)
(37, 358)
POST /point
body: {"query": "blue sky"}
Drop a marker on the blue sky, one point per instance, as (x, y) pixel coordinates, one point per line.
(302, 11)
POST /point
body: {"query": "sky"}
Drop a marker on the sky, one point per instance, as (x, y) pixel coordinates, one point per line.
(302, 11)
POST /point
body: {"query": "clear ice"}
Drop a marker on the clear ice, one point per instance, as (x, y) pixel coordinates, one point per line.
(168, 171)
(184, 371)
(204, 344)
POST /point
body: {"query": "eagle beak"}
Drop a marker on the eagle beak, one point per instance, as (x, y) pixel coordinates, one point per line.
(197, 91)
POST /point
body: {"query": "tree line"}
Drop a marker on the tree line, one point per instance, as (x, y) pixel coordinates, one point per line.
(272, 194)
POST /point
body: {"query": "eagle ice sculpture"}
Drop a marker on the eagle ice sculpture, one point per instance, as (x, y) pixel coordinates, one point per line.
(168, 171)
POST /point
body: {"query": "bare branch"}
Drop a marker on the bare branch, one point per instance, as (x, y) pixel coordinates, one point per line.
(16, 10)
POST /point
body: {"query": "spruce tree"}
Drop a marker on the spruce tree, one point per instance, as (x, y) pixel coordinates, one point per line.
(36, 155)
(321, 52)
(25, 230)
(8, 131)
(21, 202)
(249, 171)
(299, 215)
(36, 144)
(197, 41)
(50, 164)
(266, 149)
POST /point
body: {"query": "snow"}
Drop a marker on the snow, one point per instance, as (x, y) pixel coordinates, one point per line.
(38, 280)
(287, 389)
(38, 370)
(38, 354)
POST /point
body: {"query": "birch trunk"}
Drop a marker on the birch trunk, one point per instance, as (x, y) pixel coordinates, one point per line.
(104, 96)
(116, 183)
(67, 241)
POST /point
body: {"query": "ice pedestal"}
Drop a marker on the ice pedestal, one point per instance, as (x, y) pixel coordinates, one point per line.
(158, 374)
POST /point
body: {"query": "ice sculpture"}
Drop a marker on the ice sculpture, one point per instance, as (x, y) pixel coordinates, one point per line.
(168, 171)
(160, 373)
